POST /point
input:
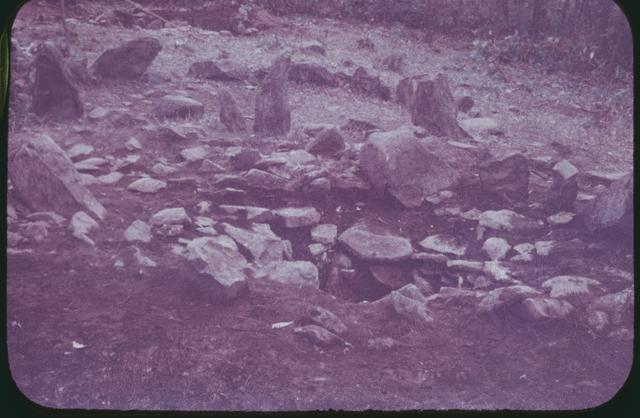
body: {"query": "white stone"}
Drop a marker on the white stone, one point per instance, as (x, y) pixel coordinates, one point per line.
(325, 233)
(81, 224)
(138, 231)
(147, 185)
(298, 217)
(569, 286)
(443, 244)
(170, 216)
(496, 248)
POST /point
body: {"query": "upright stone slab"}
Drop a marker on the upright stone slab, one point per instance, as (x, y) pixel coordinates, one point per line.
(46, 180)
(272, 113)
(128, 61)
(406, 89)
(434, 109)
(230, 116)
(54, 94)
(613, 207)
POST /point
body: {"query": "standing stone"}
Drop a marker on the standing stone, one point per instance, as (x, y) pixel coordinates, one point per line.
(406, 89)
(45, 179)
(128, 61)
(564, 189)
(54, 94)
(434, 109)
(272, 113)
(230, 116)
(506, 176)
(612, 207)
(400, 163)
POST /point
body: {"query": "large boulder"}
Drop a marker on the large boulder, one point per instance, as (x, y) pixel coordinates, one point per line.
(408, 167)
(272, 113)
(406, 89)
(434, 109)
(55, 95)
(46, 180)
(219, 261)
(230, 116)
(613, 207)
(329, 141)
(128, 61)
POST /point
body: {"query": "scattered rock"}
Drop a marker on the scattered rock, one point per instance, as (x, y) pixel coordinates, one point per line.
(318, 335)
(207, 166)
(230, 116)
(466, 266)
(326, 319)
(324, 233)
(80, 225)
(479, 126)
(318, 188)
(369, 85)
(508, 175)
(36, 231)
(298, 217)
(143, 260)
(163, 169)
(138, 231)
(316, 249)
(370, 246)
(249, 213)
(616, 305)
(219, 260)
(79, 150)
(309, 73)
(507, 220)
(394, 62)
(45, 179)
(209, 70)
(573, 287)
(147, 185)
(128, 61)
(300, 273)
(597, 321)
(176, 106)
(170, 216)
(622, 334)
(312, 47)
(111, 178)
(506, 297)
(496, 248)
(560, 218)
(55, 96)
(260, 241)
(242, 158)
(194, 154)
(133, 144)
(465, 104)
(389, 276)
(613, 207)
(410, 308)
(434, 109)
(443, 244)
(400, 163)
(328, 141)
(272, 113)
(382, 343)
(536, 309)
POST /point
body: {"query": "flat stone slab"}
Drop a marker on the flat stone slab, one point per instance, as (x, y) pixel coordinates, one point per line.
(375, 247)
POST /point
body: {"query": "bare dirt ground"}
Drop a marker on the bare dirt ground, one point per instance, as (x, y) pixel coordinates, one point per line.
(153, 342)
